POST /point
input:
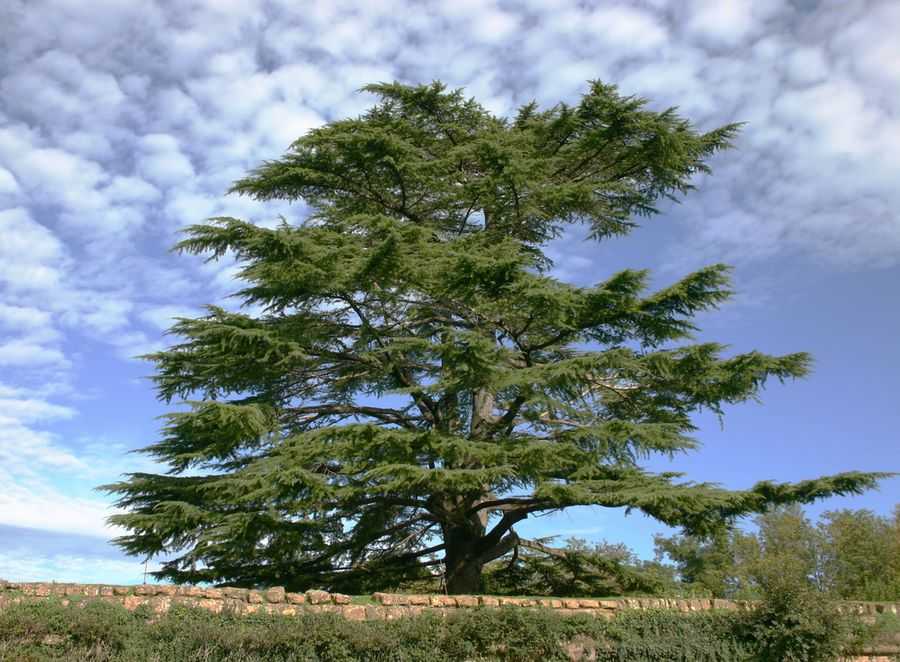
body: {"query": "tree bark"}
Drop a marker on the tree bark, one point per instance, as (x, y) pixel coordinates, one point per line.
(462, 564)
(464, 578)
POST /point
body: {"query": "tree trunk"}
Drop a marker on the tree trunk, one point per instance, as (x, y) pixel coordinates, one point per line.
(464, 578)
(461, 561)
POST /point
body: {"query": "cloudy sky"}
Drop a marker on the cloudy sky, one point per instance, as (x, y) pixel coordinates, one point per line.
(122, 121)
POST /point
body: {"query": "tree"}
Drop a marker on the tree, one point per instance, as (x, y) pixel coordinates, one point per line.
(418, 383)
(706, 564)
(851, 554)
(861, 554)
(789, 546)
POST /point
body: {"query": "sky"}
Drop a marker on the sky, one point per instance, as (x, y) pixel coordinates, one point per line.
(122, 122)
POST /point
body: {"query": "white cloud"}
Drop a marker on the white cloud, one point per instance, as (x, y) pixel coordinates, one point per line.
(21, 352)
(162, 161)
(728, 22)
(23, 317)
(8, 183)
(131, 189)
(25, 452)
(493, 25)
(59, 176)
(807, 65)
(30, 410)
(29, 253)
(626, 28)
(280, 124)
(52, 510)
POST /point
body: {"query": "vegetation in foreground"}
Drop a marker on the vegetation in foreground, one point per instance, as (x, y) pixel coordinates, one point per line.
(795, 627)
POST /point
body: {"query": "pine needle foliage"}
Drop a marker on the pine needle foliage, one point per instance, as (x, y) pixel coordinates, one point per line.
(418, 383)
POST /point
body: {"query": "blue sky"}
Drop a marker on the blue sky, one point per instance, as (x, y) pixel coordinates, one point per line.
(122, 122)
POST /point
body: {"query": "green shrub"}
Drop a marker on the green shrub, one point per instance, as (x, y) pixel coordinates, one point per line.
(44, 630)
(796, 623)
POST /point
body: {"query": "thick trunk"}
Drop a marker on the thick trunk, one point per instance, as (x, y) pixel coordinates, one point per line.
(468, 550)
(462, 565)
(464, 578)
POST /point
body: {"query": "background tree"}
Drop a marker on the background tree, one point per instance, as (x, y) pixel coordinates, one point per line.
(860, 554)
(418, 383)
(850, 554)
(707, 565)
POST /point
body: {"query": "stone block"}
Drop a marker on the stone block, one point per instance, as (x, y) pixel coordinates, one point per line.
(190, 591)
(132, 602)
(213, 593)
(166, 589)
(589, 604)
(443, 601)
(235, 593)
(161, 603)
(295, 598)
(466, 601)
(417, 599)
(215, 606)
(275, 594)
(390, 599)
(106, 591)
(340, 599)
(254, 597)
(315, 597)
(121, 590)
(354, 612)
(489, 601)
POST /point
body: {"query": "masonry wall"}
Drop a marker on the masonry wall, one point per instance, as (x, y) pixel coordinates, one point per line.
(160, 598)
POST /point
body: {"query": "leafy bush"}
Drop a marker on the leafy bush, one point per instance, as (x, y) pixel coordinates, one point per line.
(44, 630)
(796, 623)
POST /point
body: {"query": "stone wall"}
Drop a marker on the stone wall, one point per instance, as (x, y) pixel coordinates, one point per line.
(160, 597)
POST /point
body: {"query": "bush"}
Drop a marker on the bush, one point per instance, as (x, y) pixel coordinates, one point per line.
(796, 623)
(790, 627)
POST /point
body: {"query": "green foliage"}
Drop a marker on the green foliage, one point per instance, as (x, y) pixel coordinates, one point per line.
(45, 630)
(578, 569)
(860, 554)
(417, 383)
(667, 636)
(796, 623)
(852, 555)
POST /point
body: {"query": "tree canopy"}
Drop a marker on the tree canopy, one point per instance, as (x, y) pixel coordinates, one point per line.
(849, 554)
(417, 382)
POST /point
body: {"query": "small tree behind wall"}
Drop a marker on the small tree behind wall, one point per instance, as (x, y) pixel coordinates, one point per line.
(419, 383)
